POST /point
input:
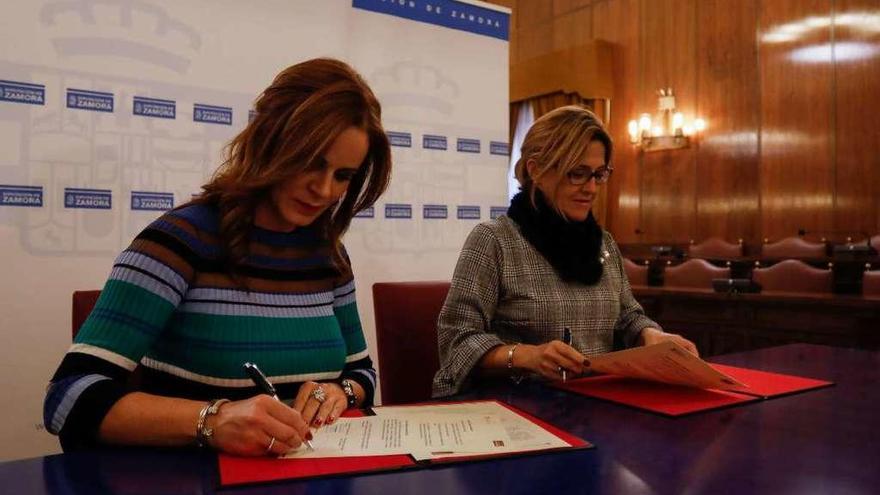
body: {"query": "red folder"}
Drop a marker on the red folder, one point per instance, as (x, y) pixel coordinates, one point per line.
(766, 385)
(675, 400)
(244, 470)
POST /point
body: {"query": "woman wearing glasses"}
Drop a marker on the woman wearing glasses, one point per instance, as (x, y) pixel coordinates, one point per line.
(544, 286)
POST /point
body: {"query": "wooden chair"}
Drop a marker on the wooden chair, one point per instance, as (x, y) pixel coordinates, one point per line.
(871, 283)
(637, 274)
(83, 302)
(793, 276)
(693, 273)
(716, 248)
(406, 333)
(794, 248)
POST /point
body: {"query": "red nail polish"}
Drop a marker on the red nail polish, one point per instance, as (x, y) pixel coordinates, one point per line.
(309, 436)
(318, 422)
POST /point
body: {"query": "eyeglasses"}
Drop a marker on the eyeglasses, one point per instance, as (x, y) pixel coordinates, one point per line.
(582, 175)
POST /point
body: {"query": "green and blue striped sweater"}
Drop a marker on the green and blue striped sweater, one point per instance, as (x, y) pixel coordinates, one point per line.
(171, 307)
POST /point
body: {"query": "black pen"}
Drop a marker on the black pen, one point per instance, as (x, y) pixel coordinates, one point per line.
(566, 338)
(263, 383)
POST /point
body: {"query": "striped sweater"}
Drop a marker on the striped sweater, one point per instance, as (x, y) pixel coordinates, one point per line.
(170, 306)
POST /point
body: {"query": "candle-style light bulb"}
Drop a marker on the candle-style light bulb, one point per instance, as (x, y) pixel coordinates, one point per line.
(699, 125)
(644, 122)
(633, 129)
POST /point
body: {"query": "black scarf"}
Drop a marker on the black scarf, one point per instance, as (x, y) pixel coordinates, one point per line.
(572, 248)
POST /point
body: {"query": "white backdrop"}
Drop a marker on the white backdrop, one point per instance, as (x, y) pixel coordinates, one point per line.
(78, 179)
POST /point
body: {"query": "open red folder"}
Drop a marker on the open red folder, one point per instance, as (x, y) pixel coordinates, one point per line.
(676, 400)
(245, 470)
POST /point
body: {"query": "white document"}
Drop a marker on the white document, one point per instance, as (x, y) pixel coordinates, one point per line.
(666, 362)
(405, 433)
(522, 435)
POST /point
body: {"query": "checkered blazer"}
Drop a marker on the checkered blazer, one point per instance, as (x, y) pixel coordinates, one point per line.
(504, 291)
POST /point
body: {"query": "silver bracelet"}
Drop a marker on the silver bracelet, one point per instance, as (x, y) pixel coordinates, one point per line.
(203, 433)
(510, 356)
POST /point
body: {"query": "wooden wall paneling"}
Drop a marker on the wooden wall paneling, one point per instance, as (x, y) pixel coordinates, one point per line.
(573, 28)
(531, 13)
(727, 97)
(561, 7)
(797, 177)
(535, 41)
(617, 21)
(668, 206)
(857, 103)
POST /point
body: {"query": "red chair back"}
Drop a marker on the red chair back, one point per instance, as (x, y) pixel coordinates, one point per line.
(793, 276)
(793, 247)
(693, 273)
(871, 283)
(716, 248)
(637, 274)
(406, 333)
(83, 302)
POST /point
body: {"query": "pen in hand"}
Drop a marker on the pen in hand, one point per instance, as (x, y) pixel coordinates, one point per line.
(263, 383)
(566, 338)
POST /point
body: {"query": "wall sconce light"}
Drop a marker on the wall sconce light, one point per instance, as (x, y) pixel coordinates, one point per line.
(670, 131)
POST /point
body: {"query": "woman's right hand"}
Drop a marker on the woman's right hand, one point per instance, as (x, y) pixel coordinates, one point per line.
(547, 359)
(247, 427)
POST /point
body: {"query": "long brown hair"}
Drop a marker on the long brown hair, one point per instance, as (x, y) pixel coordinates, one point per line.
(557, 141)
(297, 119)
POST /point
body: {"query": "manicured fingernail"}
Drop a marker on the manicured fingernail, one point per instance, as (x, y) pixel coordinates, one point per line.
(317, 422)
(331, 419)
(309, 436)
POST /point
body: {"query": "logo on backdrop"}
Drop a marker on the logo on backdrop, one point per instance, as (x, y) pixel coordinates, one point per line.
(432, 142)
(497, 211)
(95, 101)
(447, 13)
(210, 114)
(435, 212)
(398, 210)
(19, 92)
(468, 213)
(465, 145)
(499, 148)
(154, 107)
(366, 213)
(21, 196)
(402, 139)
(94, 199)
(151, 201)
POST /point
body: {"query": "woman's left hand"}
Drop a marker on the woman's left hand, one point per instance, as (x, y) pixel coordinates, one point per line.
(316, 412)
(651, 336)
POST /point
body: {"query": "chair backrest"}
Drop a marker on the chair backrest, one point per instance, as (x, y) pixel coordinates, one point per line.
(83, 302)
(793, 247)
(406, 334)
(637, 274)
(716, 248)
(793, 276)
(871, 283)
(693, 273)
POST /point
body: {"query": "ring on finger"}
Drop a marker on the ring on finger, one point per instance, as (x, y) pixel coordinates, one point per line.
(318, 394)
(271, 444)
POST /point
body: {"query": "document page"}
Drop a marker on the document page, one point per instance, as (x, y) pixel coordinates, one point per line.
(666, 362)
(405, 433)
(522, 435)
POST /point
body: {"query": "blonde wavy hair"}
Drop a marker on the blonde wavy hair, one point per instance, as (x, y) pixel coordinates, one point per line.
(556, 142)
